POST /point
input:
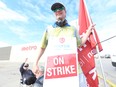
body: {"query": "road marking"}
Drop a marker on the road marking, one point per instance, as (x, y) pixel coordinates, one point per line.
(109, 82)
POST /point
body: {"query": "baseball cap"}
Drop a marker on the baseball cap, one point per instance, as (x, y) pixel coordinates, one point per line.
(57, 6)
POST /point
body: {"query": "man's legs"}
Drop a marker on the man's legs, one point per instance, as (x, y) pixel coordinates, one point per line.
(82, 80)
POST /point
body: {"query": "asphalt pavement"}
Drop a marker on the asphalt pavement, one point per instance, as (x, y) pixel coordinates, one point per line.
(106, 72)
(10, 75)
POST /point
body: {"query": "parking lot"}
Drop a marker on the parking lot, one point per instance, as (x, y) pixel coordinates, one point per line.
(108, 71)
(10, 76)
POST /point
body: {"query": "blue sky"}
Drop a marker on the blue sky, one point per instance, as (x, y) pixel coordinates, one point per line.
(24, 21)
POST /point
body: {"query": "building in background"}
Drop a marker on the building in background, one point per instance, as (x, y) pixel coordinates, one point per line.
(5, 53)
(18, 53)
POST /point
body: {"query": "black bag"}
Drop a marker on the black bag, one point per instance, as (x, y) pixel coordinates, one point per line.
(30, 80)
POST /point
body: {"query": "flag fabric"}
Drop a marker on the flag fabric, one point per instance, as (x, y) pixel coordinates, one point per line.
(87, 51)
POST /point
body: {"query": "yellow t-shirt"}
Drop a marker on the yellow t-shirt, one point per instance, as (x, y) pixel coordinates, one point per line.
(66, 31)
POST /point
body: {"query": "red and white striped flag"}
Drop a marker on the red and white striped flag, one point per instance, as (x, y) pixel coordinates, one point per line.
(87, 51)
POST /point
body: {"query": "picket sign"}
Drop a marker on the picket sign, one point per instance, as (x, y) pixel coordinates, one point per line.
(61, 66)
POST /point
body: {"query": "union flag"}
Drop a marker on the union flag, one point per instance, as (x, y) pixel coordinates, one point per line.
(87, 51)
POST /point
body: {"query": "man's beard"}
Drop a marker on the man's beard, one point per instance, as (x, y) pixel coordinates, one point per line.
(60, 18)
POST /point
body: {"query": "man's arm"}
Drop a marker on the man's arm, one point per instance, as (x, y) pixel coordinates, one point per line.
(36, 68)
(41, 51)
(22, 65)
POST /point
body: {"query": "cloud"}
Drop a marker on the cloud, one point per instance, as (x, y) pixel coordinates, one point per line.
(35, 10)
(4, 44)
(7, 14)
(111, 3)
(108, 26)
(22, 33)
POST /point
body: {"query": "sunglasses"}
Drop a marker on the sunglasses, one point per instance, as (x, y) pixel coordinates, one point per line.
(25, 66)
(58, 9)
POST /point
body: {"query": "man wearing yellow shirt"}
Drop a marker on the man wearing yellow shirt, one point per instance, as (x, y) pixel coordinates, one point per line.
(61, 28)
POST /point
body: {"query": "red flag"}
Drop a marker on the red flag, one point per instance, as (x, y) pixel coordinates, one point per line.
(87, 51)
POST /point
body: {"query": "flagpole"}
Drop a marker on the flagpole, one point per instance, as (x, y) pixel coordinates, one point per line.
(101, 65)
(96, 47)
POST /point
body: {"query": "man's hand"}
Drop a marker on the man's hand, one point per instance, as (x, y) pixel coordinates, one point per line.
(91, 27)
(35, 69)
(26, 60)
(85, 37)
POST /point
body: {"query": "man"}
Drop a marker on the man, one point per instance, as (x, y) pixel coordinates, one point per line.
(61, 28)
(28, 76)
